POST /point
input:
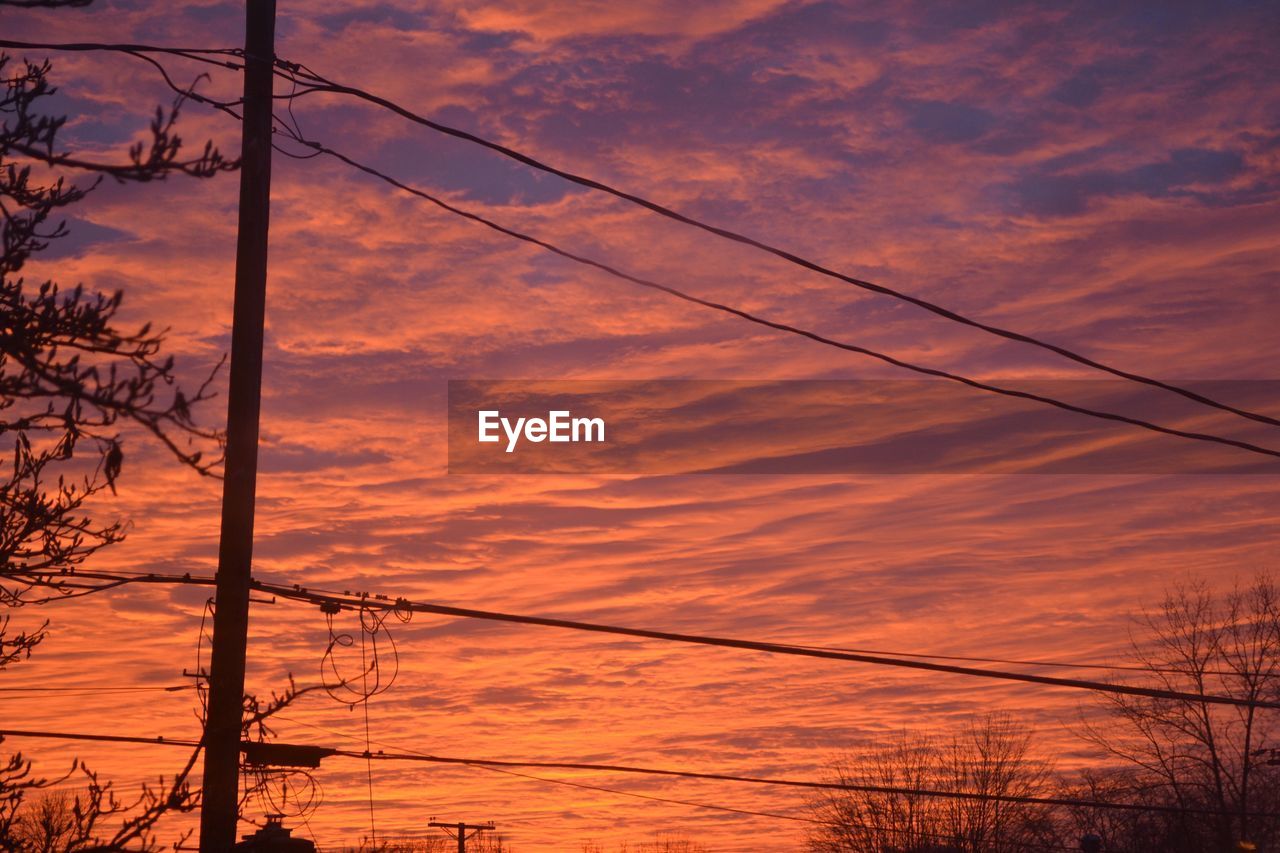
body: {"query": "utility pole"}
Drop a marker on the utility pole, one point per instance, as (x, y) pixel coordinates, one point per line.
(219, 806)
(460, 830)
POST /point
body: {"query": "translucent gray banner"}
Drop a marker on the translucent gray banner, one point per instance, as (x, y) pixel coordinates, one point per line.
(849, 426)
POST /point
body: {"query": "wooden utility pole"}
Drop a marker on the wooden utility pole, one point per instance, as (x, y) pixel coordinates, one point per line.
(219, 806)
(461, 830)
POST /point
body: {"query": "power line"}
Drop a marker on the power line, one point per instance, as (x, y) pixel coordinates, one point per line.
(671, 800)
(888, 359)
(789, 783)
(26, 692)
(485, 765)
(322, 84)
(199, 54)
(653, 797)
(1017, 662)
(158, 740)
(567, 782)
(318, 83)
(778, 326)
(124, 576)
(365, 601)
(89, 689)
(353, 601)
(429, 758)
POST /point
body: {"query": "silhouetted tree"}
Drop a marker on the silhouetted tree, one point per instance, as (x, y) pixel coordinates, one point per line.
(33, 820)
(989, 757)
(1196, 756)
(48, 825)
(1124, 830)
(70, 378)
(16, 782)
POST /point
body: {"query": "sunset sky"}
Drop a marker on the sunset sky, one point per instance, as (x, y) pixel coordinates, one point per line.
(1106, 177)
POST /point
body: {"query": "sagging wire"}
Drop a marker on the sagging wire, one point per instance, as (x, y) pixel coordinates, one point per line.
(373, 678)
(292, 792)
(200, 674)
